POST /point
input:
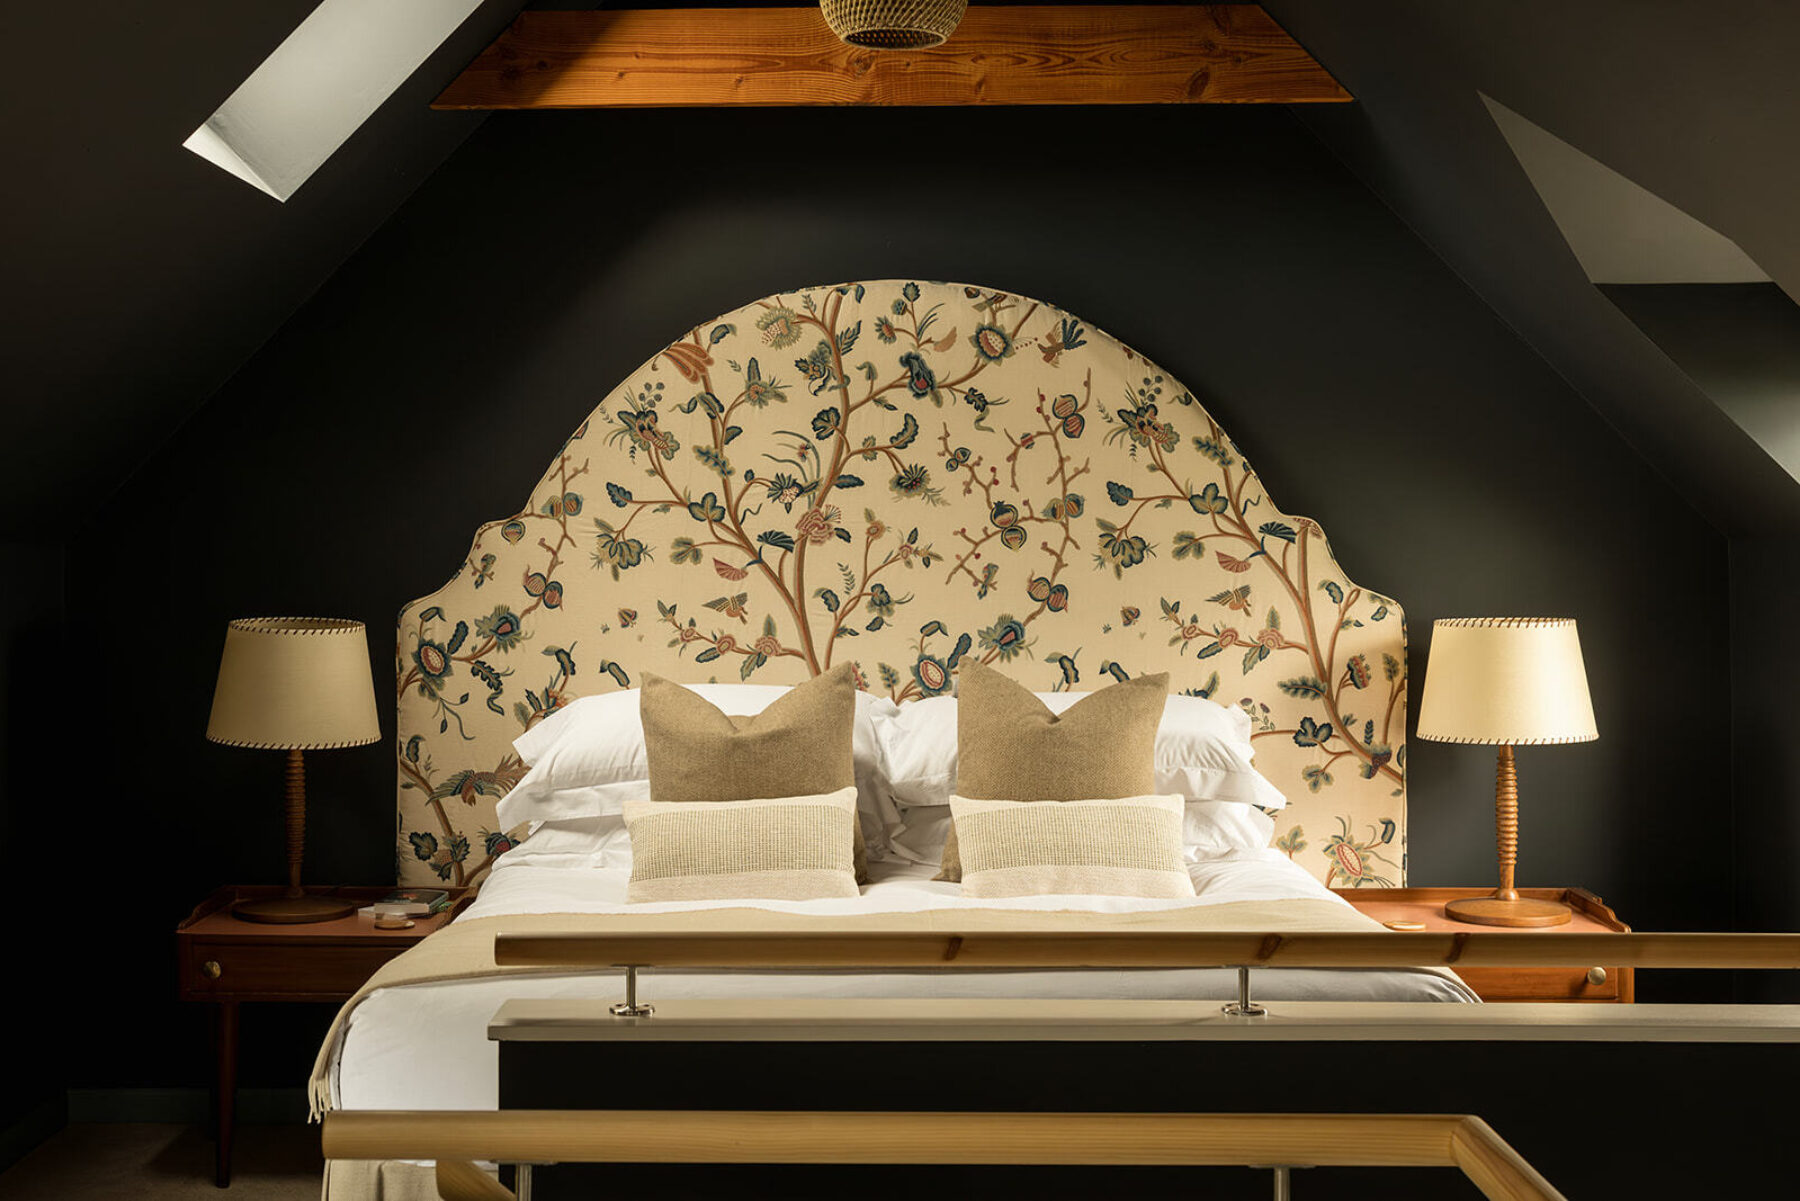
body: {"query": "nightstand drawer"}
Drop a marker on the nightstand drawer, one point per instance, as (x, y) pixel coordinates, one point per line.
(287, 970)
(1598, 983)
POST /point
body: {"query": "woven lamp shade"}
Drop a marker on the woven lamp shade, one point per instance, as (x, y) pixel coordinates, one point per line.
(893, 24)
(294, 683)
(1508, 681)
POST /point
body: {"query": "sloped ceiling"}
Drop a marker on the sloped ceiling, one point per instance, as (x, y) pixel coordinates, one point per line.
(139, 277)
(1621, 233)
(1701, 107)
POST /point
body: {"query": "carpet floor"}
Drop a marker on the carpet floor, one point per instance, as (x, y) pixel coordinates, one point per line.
(166, 1163)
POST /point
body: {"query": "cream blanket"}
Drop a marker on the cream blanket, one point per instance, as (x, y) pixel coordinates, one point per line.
(464, 949)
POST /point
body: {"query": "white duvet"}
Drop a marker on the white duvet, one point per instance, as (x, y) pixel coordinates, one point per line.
(425, 1046)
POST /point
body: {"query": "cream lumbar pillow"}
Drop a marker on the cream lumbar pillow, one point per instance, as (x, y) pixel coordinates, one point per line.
(1122, 847)
(785, 849)
(801, 745)
(1011, 747)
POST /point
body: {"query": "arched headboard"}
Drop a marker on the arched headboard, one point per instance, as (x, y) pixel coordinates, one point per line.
(902, 475)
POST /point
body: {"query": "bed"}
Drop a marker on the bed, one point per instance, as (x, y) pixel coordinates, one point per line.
(904, 476)
(425, 1046)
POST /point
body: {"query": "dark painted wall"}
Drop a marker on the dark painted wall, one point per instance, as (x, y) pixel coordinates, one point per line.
(423, 390)
(1741, 344)
(1765, 745)
(36, 829)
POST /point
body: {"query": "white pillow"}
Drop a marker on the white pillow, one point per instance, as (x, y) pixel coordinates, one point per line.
(1203, 751)
(587, 759)
(576, 842)
(1214, 829)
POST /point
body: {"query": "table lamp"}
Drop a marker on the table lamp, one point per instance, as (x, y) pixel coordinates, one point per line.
(295, 684)
(1506, 681)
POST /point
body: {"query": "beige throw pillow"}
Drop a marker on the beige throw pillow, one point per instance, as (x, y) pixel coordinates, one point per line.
(784, 849)
(1128, 847)
(1010, 747)
(799, 746)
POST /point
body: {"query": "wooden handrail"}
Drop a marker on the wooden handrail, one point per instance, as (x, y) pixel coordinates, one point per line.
(1147, 949)
(790, 1137)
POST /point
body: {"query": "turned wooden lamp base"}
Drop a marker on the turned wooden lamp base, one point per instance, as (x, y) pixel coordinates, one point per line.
(1497, 911)
(1506, 907)
(292, 910)
(296, 906)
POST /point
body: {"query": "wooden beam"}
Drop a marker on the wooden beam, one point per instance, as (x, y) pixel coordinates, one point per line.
(1146, 949)
(659, 58)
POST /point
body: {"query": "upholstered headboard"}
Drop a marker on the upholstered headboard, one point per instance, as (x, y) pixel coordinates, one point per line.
(904, 475)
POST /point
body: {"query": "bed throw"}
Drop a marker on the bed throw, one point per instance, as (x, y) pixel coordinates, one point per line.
(465, 949)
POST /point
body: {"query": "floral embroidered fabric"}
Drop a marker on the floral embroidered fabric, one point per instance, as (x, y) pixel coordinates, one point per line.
(904, 475)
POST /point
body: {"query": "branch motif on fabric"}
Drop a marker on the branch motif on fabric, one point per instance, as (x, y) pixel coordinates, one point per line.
(903, 475)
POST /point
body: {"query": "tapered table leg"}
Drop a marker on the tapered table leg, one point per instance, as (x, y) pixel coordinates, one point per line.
(225, 1051)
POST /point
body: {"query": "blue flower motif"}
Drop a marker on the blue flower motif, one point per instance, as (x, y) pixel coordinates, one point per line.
(1006, 636)
(502, 625)
(780, 327)
(433, 662)
(911, 480)
(932, 676)
(991, 343)
(757, 391)
(920, 379)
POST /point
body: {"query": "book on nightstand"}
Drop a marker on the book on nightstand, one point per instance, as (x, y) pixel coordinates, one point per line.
(408, 902)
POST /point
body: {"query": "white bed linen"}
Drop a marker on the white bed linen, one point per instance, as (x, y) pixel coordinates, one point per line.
(425, 1046)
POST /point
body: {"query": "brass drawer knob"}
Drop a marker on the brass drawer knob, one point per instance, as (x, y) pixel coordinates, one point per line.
(1596, 975)
(212, 971)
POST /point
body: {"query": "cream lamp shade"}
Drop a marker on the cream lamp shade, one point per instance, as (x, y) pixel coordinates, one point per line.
(1508, 681)
(294, 683)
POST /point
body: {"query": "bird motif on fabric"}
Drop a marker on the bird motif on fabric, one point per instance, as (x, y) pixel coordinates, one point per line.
(736, 605)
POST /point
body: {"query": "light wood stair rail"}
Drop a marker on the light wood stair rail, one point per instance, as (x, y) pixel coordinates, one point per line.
(1147, 949)
(454, 1139)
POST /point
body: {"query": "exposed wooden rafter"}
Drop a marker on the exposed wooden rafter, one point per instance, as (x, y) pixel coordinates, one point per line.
(653, 58)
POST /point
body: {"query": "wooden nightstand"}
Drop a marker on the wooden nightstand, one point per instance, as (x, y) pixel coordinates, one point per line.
(1602, 982)
(226, 961)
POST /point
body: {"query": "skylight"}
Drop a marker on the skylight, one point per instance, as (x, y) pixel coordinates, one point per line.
(320, 85)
